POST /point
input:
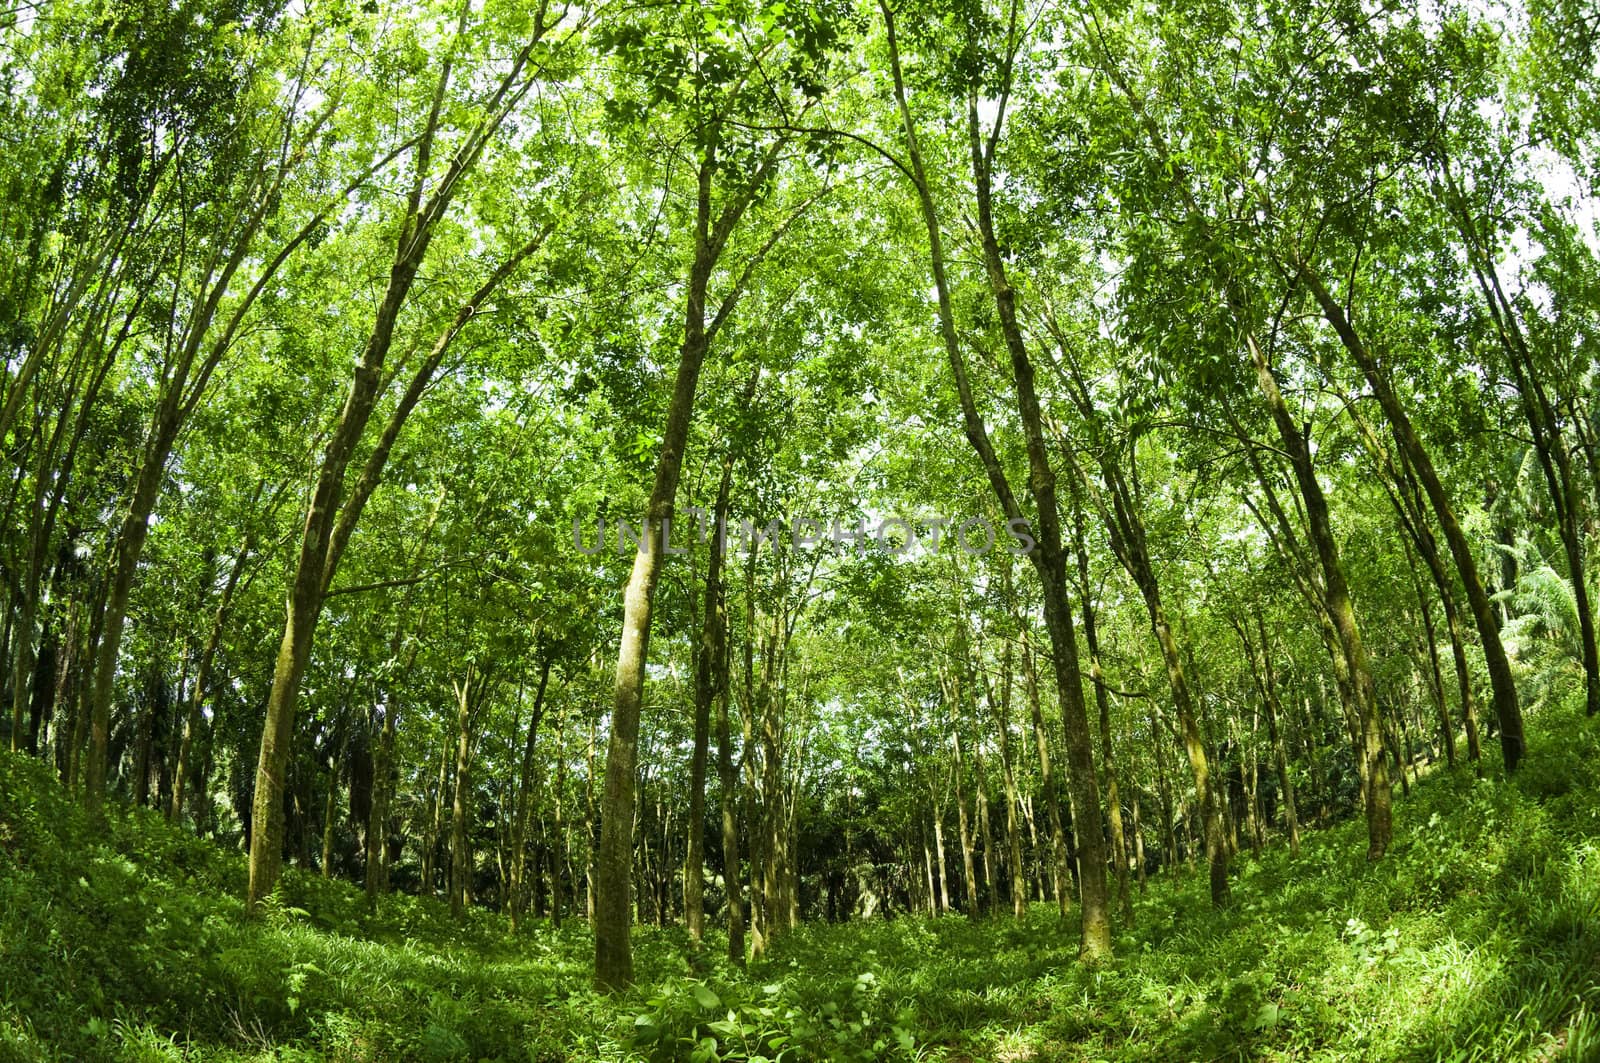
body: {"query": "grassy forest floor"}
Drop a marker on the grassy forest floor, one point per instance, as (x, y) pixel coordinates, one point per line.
(1477, 938)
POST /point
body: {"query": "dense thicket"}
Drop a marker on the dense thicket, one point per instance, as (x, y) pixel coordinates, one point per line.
(749, 463)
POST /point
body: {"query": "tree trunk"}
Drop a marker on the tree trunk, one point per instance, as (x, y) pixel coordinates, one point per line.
(469, 692)
(1008, 778)
(1434, 677)
(985, 836)
(1138, 843)
(1549, 443)
(1126, 529)
(1280, 757)
(728, 780)
(613, 951)
(1340, 610)
(1060, 877)
(709, 655)
(963, 825)
(435, 822)
(202, 675)
(332, 516)
(526, 784)
(1507, 711)
(330, 810)
(1091, 638)
(376, 843)
(1047, 556)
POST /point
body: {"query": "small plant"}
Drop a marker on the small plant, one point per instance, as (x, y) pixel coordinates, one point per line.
(1371, 947)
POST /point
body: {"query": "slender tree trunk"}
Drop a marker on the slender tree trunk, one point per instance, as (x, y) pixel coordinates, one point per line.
(1008, 778)
(1434, 677)
(1549, 444)
(430, 844)
(1280, 757)
(66, 698)
(22, 665)
(941, 865)
(1047, 555)
(963, 825)
(1252, 787)
(590, 824)
(1507, 711)
(469, 693)
(1126, 528)
(330, 811)
(376, 842)
(728, 780)
(332, 515)
(708, 656)
(750, 795)
(1340, 610)
(613, 951)
(202, 675)
(985, 836)
(561, 862)
(527, 785)
(1091, 638)
(1138, 843)
(1060, 877)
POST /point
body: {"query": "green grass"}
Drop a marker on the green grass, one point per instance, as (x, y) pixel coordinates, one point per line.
(1478, 938)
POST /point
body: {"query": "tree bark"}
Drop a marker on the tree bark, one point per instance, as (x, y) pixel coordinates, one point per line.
(332, 516)
(1555, 461)
(728, 780)
(1280, 757)
(1060, 876)
(709, 654)
(1507, 712)
(1091, 638)
(613, 957)
(526, 784)
(1047, 555)
(1008, 778)
(1340, 610)
(470, 691)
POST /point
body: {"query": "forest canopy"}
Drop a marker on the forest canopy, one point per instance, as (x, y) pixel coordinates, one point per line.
(733, 465)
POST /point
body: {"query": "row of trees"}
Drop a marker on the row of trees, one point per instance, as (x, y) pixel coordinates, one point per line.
(341, 330)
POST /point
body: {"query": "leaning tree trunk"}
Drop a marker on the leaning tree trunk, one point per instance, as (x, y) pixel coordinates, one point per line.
(1340, 610)
(1047, 556)
(1125, 526)
(1507, 712)
(1549, 442)
(331, 517)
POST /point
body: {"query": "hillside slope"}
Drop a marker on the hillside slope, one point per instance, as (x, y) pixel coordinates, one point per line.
(1477, 939)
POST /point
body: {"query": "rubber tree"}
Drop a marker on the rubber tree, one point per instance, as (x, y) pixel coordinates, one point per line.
(737, 161)
(207, 313)
(333, 512)
(1047, 553)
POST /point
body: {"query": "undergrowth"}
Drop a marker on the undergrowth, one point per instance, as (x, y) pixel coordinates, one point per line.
(1477, 938)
